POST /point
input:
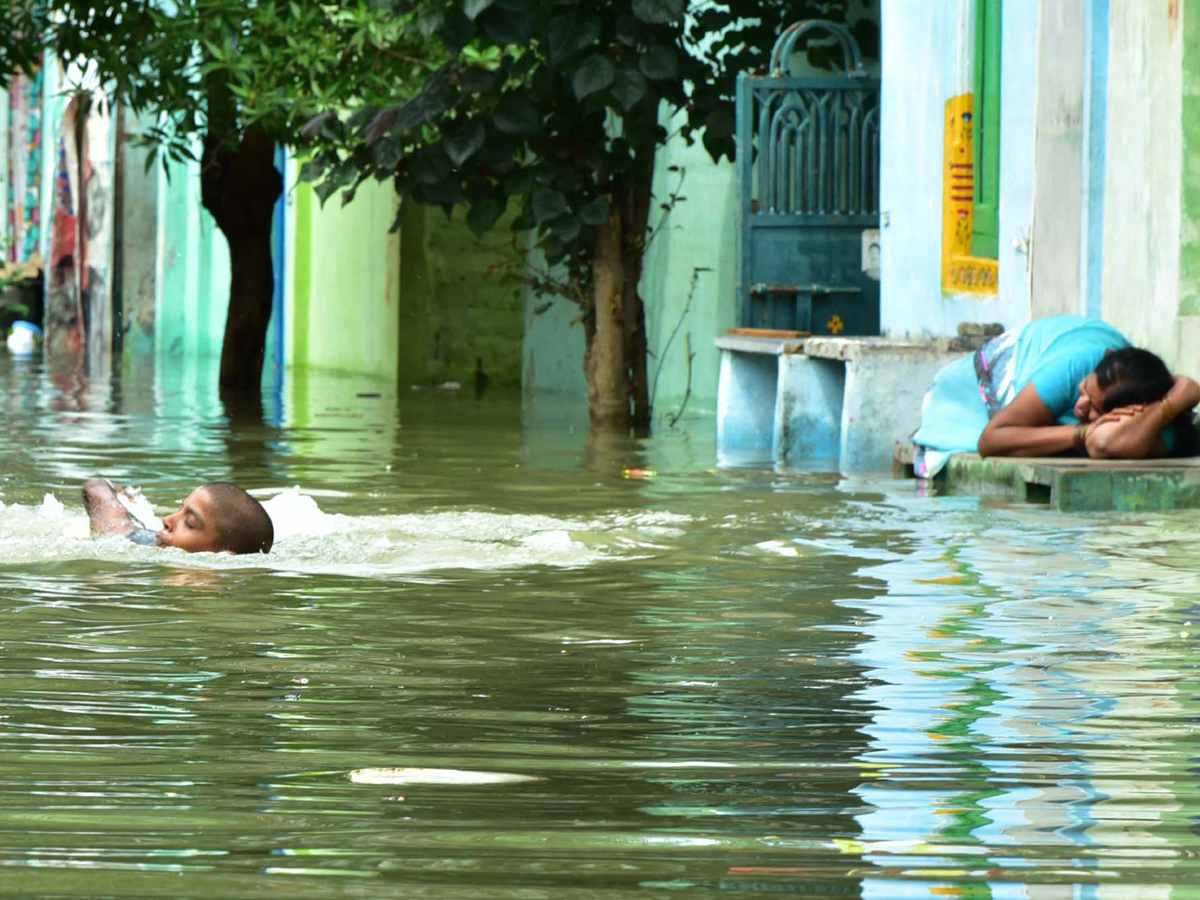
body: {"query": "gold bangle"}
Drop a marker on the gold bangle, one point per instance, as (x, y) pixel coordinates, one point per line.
(1080, 435)
(1167, 410)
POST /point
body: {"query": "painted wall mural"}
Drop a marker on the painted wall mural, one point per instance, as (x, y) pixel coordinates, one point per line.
(24, 169)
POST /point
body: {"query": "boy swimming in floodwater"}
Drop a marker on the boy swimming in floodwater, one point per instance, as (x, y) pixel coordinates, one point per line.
(215, 518)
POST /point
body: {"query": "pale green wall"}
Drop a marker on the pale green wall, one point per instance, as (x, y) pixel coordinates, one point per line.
(1189, 300)
(460, 304)
(345, 288)
(697, 234)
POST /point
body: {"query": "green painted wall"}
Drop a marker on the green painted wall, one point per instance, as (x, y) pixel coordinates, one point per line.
(345, 287)
(461, 308)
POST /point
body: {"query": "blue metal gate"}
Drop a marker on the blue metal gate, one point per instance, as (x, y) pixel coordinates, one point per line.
(808, 192)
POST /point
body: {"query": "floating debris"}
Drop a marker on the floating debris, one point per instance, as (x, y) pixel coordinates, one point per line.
(415, 775)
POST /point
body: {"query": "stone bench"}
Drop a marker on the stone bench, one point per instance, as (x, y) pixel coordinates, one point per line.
(837, 402)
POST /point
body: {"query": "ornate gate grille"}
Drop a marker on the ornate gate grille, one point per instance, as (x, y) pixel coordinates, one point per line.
(808, 185)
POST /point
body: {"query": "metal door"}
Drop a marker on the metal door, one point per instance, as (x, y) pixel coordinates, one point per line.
(808, 193)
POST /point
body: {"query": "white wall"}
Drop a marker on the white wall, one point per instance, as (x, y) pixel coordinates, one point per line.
(1058, 161)
(1141, 275)
(926, 59)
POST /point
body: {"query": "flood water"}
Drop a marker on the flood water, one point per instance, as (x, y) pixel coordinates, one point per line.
(698, 683)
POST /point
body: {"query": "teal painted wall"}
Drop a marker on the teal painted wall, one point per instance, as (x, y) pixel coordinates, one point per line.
(698, 233)
(137, 230)
(191, 269)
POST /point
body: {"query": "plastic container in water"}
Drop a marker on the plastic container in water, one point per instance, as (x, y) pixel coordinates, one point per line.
(24, 338)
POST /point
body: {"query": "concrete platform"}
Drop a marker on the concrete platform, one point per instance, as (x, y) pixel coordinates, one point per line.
(1071, 484)
(841, 402)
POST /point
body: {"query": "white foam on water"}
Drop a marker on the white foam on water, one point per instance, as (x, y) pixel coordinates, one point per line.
(308, 539)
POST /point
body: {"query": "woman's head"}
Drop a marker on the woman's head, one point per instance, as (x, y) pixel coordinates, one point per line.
(1124, 377)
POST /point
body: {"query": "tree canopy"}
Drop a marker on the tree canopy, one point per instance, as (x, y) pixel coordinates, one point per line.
(550, 102)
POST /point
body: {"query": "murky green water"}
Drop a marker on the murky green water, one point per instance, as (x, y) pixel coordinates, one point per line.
(720, 681)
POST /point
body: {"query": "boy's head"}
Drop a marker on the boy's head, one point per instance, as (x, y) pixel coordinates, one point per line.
(218, 517)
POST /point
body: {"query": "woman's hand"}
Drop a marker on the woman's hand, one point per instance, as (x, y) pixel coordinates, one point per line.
(1116, 415)
(1130, 432)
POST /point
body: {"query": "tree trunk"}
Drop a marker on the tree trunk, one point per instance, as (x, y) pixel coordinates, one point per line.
(604, 362)
(239, 185)
(615, 360)
(635, 211)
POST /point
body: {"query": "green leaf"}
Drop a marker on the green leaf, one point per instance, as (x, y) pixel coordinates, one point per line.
(520, 182)
(659, 63)
(435, 98)
(554, 248)
(548, 204)
(444, 193)
(659, 12)
(483, 214)
(311, 170)
(594, 74)
(474, 7)
(568, 33)
(461, 142)
(428, 166)
(516, 113)
(457, 30)
(566, 229)
(507, 27)
(524, 220)
(478, 80)
(386, 154)
(595, 212)
(628, 88)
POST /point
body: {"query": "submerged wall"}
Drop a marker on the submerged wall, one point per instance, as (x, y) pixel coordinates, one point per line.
(461, 304)
(688, 280)
(342, 302)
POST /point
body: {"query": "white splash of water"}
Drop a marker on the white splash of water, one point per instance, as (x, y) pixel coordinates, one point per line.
(309, 539)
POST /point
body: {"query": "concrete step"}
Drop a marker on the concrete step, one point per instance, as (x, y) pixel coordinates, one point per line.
(1071, 484)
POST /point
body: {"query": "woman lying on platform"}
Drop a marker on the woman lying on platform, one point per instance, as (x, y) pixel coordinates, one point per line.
(1065, 384)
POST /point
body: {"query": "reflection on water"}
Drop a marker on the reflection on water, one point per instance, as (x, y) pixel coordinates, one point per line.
(711, 681)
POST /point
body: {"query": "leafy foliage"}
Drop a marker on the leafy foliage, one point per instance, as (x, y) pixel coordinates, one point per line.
(214, 68)
(546, 102)
(555, 105)
(20, 44)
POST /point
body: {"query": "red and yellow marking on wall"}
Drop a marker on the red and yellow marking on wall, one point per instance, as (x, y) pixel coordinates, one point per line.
(962, 273)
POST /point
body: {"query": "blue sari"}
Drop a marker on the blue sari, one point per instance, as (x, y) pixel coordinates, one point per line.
(1053, 354)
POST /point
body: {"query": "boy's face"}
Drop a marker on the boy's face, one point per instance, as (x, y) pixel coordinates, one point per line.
(191, 528)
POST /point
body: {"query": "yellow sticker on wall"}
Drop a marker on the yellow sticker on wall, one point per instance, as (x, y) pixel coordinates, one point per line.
(835, 324)
(962, 273)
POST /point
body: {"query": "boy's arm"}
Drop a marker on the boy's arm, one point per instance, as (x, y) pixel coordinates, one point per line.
(106, 514)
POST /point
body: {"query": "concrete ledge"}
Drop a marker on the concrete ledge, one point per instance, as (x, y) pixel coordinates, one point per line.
(740, 343)
(1072, 484)
(855, 348)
